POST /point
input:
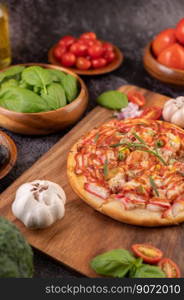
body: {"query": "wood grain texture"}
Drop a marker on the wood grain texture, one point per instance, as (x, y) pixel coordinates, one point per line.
(50, 121)
(10, 145)
(109, 68)
(84, 232)
(161, 72)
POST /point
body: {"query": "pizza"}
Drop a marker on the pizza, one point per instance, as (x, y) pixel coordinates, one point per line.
(132, 171)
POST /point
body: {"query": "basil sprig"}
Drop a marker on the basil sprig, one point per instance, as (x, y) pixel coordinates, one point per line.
(122, 263)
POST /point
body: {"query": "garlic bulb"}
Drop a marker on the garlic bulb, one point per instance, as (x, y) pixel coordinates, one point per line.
(39, 204)
(173, 111)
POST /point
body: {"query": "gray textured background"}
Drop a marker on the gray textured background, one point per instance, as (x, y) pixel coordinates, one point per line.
(37, 24)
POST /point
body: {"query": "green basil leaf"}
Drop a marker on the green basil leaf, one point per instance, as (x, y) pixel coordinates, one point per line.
(55, 96)
(2, 76)
(22, 100)
(37, 76)
(57, 76)
(148, 271)
(113, 100)
(115, 263)
(70, 85)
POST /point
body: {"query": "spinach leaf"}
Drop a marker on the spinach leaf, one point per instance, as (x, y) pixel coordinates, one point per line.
(115, 263)
(37, 76)
(57, 76)
(22, 100)
(11, 72)
(70, 85)
(55, 96)
(9, 83)
(113, 100)
(148, 271)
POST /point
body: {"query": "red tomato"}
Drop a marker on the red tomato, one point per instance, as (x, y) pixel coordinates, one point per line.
(78, 49)
(66, 41)
(148, 253)
(107, 46)
(88, 43)
(170, 268)
(99, 63)
(88, 36)
(68, 59)
(95, 51)
(180, 31)
(136, 97)
(163, 40)
(109, 56)
(151, 113)
(172, 57)
(83, 63)
(59, 51)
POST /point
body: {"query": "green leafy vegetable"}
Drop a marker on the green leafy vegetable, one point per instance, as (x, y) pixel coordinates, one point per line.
(22, 100)
(70, 85)
(55, 96)
(37, 76)
(57, 76)
(113, 100)
(115, 263)
(9, 83)
(147, 271)
(16, 256)
(153, 184)
(11, 72)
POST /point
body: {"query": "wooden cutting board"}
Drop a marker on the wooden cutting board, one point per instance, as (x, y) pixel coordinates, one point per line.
(84, 232)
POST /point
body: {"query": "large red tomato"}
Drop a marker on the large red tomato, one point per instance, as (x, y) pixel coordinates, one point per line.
(163, 40)
(172, 57)
(180, 31)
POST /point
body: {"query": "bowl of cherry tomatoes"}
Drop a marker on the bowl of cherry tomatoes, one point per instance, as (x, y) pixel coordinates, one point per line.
(85, 55)
(164, 56)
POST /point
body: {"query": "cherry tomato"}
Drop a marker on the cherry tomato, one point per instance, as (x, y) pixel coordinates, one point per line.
(180, 31)
(66, 41)
(88, 36)
(108, 46)
(68, 59)
(148, 253)
(109, 56)
(88, 43)
(59, 51)
(151, 113)
(163, 40)
(136, 97)
(172, 57)
(78, 49)
(99, 63)
(170, 268)
(83, 63)
(95, 51)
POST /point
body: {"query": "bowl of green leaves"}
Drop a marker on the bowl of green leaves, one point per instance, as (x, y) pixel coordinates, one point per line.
(40, 98)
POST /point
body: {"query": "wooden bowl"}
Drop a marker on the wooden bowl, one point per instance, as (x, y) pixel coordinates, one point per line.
(161, 72)
(109, 68)
(10, 145)
(43, 123)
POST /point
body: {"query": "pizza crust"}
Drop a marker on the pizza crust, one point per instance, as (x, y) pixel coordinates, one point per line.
(112, 208)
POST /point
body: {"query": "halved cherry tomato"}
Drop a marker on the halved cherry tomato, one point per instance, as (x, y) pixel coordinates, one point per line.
(172, 57)
(148, 253)
(78, 49)
(88, 36)
(99, 63)
(66, 41)
(180, 31)
(136, 97)
(59, 51)
(163, 40)
(151, 113)
(68, 59)
(170, 268)
(83, 63)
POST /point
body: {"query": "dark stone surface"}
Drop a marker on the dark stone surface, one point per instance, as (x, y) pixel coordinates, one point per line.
(37, 25)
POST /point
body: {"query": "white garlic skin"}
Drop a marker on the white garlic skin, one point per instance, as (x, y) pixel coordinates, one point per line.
(42, 209)
(173, 111)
